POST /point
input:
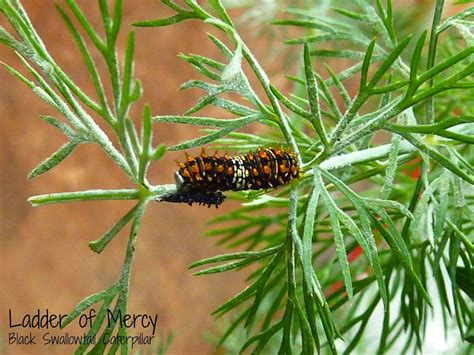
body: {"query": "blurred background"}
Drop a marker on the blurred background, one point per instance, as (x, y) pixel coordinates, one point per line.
(45, 260)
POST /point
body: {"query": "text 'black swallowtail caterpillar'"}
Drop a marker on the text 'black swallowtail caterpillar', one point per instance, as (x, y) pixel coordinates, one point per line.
(202, 179)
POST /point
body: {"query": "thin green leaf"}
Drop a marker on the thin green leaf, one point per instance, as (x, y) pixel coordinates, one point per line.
(88, 302)
(366, 239)
(465, 280)
(98, 321)
(222, 47)
(398, 246)
(364, 73)
(340, 86)
(434, 154)
(98, 42)
(20, 76)
(234, 256)
(343, 54)
(146, 138)
(133, 135)
(182, 16)
(197, 142)
(313, 96)
(221, 11)
(261, 289)
(314, 24)
(414, 64)
(438, 13)
(387, 64)
(55, 158)
(442, 208)
(318, 38)
(7, 39)
(99, 244)
(308, 232)
(202, 121)
(392, 165)
(290, 104)
(349, 14)
(334, 214)
(88, 60)
(262, 338)
(225, 267)
(328, 97)
(126, 98)
(250, 290)
(63, 127)
(159, 152)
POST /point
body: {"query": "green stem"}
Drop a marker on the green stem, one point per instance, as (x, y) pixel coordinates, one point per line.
(348, 116)
(124, 280)
(363, 156)
(432, 54)
(126, 144)
(153, 193)
(86, 195)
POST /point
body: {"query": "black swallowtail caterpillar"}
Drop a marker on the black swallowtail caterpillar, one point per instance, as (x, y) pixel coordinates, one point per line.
(201, 179)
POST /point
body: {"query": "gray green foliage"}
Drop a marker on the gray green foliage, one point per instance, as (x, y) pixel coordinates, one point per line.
(134, 153)
(300, 241)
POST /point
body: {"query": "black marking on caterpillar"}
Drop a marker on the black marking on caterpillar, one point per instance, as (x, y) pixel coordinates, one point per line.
(188, 196)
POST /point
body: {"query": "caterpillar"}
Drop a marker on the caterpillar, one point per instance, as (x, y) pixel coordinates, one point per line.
(201, 179)
(263, 169)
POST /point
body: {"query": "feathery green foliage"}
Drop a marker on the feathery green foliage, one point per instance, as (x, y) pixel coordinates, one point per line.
(323, 219)
(357, 232)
